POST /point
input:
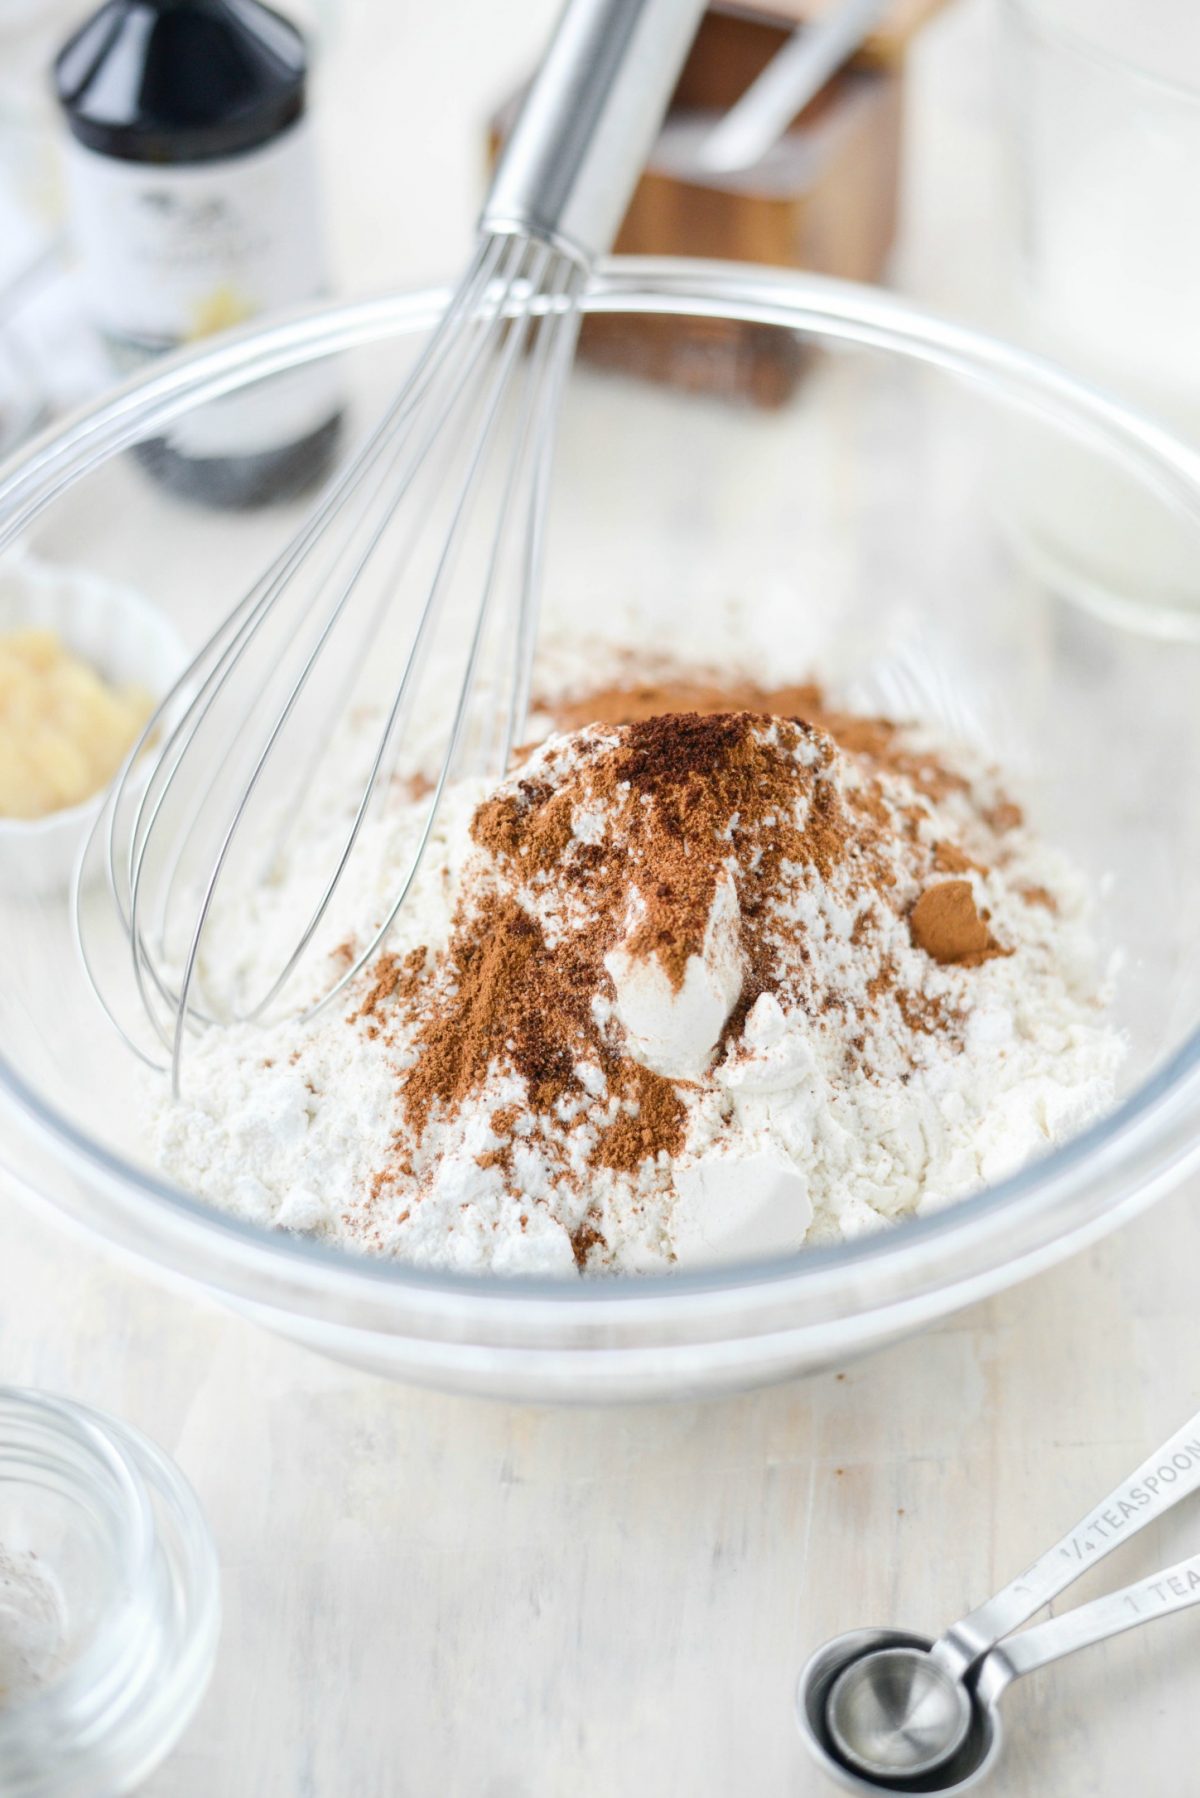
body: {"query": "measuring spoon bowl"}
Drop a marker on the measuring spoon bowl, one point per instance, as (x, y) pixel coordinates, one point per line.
(885, 1711)
(899, 1710)
(843, 1705)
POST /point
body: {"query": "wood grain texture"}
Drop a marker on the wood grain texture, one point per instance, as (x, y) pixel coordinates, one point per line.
(427, 1595)
(888, 42)
(826, 201)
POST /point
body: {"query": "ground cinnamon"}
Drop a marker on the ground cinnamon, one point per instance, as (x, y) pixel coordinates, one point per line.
(627, 828)
(881, 740)
(948, 925)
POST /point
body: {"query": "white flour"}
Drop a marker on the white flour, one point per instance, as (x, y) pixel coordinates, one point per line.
(786, 1141)
(32, 1626)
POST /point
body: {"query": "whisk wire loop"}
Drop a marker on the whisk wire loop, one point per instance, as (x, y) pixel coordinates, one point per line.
(396, 494)
(492, 373)
(399, 580)
(546, 359)
(226, 657)
(515, 343)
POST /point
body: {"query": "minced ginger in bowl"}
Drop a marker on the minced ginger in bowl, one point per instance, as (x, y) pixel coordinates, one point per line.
(64, 729)
(83, 661)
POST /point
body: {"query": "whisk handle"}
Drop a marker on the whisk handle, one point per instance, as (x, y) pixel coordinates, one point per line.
(589, 119)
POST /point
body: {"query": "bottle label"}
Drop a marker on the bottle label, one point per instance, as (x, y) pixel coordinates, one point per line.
(170, 253)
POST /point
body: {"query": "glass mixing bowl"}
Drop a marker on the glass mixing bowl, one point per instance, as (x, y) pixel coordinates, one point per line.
(878, 513)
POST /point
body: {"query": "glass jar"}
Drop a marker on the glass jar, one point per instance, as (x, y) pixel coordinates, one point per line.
(1102, 118)
(109, 1603)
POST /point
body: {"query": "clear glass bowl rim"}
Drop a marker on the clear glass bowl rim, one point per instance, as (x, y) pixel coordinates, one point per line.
(974, 1246)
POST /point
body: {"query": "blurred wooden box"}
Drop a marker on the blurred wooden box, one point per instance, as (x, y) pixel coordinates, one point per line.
(825, 198)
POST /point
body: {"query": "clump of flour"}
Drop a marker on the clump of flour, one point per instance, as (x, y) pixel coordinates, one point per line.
(32, 1626)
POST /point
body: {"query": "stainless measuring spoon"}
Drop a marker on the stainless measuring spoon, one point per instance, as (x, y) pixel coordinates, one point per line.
(887, 1710)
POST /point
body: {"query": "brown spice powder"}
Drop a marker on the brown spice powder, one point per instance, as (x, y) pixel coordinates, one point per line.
(636, 701)
(732, 780)
(393, 977)
(880, 741)
(948, 925)
(510, 1000)
(948, 858)
(670, 786)
(696, 791)
(583, 1241)
(515, 1001)
(655, 1125)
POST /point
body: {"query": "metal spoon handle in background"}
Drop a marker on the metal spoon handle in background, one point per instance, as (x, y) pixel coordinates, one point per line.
(1158, 1595)
(793, 77)
(1160, 1482)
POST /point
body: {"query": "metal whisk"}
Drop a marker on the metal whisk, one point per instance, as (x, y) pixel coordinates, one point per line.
(419, 565)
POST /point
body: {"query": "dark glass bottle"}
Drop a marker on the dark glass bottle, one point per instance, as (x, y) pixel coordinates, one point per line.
(194, 207)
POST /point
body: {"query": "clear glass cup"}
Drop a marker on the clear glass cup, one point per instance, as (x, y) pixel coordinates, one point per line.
(1102, 110)
(858, 522)
(109, 1601)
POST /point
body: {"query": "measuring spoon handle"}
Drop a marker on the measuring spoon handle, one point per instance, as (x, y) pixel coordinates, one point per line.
(1173, 1589)
(1168, 1475)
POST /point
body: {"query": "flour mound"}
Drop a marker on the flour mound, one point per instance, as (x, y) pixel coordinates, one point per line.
(716, 979)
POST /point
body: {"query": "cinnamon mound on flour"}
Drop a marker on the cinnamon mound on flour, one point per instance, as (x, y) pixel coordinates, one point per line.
(708, 941)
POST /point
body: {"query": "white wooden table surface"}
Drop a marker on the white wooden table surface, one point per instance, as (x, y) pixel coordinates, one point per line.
(428, 1595)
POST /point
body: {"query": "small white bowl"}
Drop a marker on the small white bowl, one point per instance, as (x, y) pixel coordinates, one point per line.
(127, 641)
